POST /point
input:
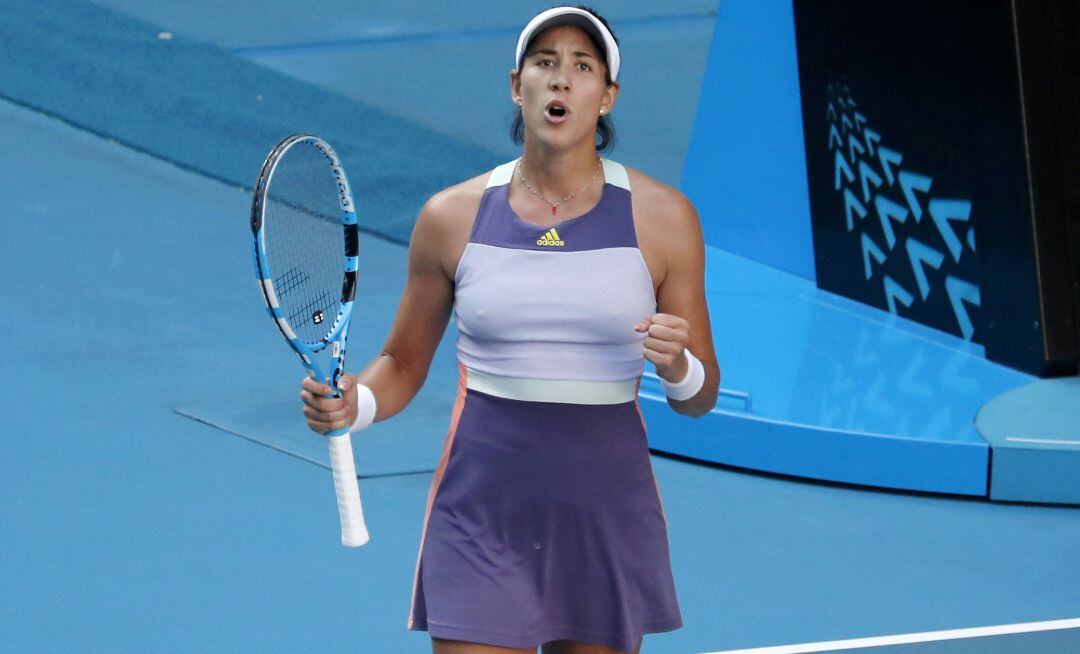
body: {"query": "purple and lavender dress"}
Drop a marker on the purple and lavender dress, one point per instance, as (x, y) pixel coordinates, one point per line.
(544, 520)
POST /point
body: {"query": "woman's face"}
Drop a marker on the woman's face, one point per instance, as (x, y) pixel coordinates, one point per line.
(562, 87)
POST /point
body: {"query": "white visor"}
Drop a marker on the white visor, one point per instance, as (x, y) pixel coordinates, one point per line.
(570, 16)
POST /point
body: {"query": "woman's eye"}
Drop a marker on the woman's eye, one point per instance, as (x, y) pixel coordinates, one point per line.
(584, 66)
(545, 62)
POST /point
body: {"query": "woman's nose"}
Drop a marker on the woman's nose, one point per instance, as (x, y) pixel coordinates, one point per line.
(559, 79)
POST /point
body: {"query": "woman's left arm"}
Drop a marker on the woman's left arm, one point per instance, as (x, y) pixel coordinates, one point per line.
(682, 321)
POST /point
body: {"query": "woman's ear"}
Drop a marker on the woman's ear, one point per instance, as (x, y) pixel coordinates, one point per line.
(515, 87)
(608, 101)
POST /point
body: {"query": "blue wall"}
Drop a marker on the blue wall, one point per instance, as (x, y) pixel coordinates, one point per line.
(746, 166)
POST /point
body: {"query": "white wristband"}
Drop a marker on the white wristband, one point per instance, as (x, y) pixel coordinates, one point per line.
(690, 384)
(365, 408)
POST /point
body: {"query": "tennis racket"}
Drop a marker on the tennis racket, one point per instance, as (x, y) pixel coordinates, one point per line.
(306, 252)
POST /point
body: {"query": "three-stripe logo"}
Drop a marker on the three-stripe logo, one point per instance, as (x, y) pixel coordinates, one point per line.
(551, 238)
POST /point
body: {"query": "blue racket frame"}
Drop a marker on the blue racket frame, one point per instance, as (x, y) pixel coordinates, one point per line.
(336, 337)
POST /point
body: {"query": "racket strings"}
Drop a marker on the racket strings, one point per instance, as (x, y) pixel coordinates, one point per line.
(303, 237)
(319, 309)
(293, 279)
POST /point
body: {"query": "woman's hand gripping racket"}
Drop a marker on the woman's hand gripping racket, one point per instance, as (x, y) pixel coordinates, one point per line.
(306, 252)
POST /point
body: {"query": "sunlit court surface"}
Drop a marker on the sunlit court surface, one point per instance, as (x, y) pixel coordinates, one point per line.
(163, 493)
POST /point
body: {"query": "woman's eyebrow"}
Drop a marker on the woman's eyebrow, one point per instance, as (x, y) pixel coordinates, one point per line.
(550, 52)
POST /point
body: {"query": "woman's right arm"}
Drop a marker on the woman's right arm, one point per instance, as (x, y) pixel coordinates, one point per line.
(396, 375)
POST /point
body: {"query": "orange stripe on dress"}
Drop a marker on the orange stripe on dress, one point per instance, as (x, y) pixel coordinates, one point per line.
(455, 416)
(436, 480)
(637, 405)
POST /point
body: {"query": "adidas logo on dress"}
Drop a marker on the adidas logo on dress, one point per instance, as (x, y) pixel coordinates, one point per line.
(550, 238)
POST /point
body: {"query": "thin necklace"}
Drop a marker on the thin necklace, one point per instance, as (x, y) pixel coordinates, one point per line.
(555, 205)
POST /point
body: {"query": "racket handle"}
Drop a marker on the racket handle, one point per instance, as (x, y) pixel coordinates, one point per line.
(354, 532)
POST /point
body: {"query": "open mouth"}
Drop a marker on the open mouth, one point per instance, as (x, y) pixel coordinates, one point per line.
(557, 110)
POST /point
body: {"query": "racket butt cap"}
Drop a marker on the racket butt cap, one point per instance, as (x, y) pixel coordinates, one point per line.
(355, 539)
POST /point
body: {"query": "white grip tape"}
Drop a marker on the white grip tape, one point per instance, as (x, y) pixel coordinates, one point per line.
(354, 532)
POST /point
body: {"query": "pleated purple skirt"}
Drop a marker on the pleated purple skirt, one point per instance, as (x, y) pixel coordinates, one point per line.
(544, 523)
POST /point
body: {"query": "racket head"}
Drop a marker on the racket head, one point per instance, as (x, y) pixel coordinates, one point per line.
(306, 244)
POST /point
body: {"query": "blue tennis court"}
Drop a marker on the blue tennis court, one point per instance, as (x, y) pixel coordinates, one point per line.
(162, 490)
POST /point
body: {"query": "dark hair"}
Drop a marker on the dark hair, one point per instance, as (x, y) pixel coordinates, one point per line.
(605, 129)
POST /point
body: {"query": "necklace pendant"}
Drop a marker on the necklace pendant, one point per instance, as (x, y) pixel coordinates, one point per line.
(553, 210)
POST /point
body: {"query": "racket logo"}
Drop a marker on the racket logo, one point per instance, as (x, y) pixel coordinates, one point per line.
(344, 194)
(317, 318)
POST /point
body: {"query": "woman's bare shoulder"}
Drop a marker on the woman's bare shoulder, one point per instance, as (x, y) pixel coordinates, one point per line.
(661, 205)
(444, 224)
(458, 202)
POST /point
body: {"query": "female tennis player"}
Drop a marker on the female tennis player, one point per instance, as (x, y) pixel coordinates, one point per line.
(566, 272)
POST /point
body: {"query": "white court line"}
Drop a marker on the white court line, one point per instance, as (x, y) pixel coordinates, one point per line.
(1048, 441)
(923, 637)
